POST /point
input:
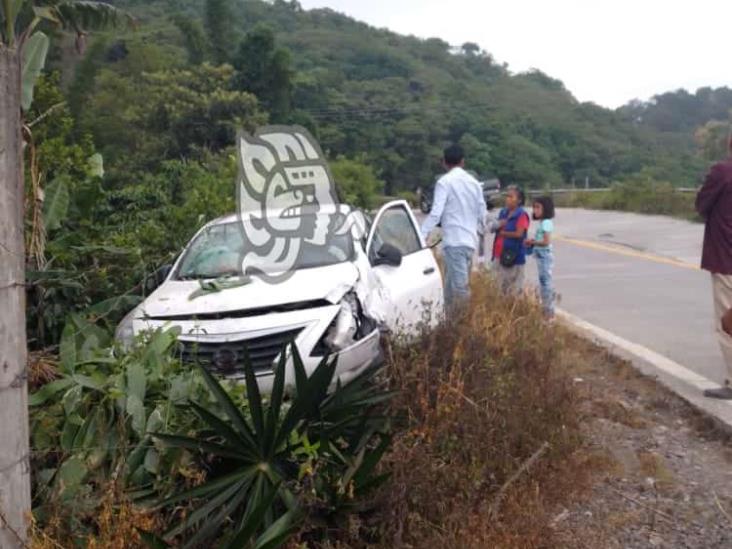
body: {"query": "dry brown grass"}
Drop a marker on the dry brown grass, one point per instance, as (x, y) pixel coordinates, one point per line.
(477, 397)
(42, 368)
(115, 526)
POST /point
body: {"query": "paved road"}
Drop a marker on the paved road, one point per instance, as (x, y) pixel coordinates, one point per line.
(637, 277)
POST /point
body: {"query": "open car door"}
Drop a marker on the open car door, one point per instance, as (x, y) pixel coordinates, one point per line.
(405, 268)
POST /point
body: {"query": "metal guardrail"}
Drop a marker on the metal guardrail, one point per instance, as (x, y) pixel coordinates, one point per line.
(596, 190)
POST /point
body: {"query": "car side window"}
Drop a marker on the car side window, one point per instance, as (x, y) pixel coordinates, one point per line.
(395, 227)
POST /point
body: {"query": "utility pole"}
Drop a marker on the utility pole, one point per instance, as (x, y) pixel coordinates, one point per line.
(14, 452)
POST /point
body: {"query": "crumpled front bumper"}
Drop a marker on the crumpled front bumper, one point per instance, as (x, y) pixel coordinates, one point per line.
(226, 339)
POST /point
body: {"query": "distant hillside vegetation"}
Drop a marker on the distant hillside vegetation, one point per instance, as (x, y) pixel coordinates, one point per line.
(391, 101)
(681, 111)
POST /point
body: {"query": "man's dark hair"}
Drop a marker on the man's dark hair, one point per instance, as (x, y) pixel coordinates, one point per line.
(547, 204)
(454, 154)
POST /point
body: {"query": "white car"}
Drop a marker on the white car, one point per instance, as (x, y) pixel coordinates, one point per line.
(378, 274)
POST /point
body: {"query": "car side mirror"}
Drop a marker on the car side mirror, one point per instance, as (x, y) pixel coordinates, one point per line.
(157, 278)
(388, 254)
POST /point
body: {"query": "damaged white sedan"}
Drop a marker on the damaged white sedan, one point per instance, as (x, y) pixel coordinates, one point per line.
(376, 275)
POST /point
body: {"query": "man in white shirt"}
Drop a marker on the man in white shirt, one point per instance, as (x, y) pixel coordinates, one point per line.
(459, 207)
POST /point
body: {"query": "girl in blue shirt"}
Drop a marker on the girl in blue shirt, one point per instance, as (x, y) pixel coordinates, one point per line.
(542, 249)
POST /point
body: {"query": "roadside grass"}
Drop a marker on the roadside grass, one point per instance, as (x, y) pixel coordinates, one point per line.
(645, 198)
(488, 434)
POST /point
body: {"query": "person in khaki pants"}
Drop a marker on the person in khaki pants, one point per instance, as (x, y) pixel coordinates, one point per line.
(714, 204)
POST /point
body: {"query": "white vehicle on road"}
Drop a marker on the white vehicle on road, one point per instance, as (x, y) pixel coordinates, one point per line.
(378, 274)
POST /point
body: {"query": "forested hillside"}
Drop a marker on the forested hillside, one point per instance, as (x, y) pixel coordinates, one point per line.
(391, 100)
(699, 120)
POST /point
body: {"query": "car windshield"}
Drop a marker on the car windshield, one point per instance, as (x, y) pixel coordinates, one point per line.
(218, 251)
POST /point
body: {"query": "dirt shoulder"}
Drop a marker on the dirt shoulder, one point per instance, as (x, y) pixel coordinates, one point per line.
(659, 473)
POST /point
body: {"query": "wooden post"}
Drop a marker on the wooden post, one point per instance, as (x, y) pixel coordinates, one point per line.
(14, 452)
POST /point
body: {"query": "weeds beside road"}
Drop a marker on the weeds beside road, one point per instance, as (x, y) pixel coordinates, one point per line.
(628, 464)
(478, 398)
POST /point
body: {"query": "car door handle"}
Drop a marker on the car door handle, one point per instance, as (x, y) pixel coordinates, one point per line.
(428, 270)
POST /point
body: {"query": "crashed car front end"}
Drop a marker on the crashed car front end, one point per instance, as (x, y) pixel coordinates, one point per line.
(331, 311)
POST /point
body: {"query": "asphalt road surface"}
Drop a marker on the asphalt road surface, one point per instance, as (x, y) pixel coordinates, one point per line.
(638, 277)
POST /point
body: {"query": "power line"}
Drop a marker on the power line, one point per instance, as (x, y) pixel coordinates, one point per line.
(396, 110)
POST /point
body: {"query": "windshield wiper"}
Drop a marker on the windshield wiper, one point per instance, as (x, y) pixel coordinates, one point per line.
(218, 276)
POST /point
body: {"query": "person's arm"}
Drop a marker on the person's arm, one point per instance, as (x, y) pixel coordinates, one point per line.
(710, 191)
(438, 206)
(521, 227)
(547, 240)
(482, 212)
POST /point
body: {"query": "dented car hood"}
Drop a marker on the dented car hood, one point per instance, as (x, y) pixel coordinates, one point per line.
(177, 298)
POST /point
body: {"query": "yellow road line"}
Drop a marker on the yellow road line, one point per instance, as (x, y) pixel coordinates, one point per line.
(628, 253)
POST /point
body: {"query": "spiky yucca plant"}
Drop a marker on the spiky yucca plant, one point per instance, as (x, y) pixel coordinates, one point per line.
(262, 454)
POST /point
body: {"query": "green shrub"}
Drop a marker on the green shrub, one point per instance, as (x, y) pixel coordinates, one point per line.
(633, 196)
(356, 182)
(242, 467)
(409, 196)
(91, 426)
(312, 455)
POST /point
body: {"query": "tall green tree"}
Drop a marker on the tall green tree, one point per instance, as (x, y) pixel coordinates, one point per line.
(218, 20)
(194, 39)
(23, 50)
(266, 71)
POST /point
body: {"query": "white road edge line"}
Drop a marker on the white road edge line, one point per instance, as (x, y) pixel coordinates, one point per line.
(686, 383)
(661, 362)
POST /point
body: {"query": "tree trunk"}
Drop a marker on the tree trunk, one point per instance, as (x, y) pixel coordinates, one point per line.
(14, 456)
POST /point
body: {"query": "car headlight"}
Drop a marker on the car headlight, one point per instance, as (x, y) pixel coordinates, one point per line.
(349, 326)
(125, 332)
(343, 330)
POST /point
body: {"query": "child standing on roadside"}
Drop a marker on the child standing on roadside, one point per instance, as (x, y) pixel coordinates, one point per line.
(542, 249)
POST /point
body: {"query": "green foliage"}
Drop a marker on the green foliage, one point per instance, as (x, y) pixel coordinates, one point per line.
(218, 21)
(356, 182)
(328, 440)
(264, 462)
(265, 70)
(34, 58)
(194, 39)
(92, 424)
(168, 114)
(681, 112)
(713, 139)
(530, 163)
(81, 15)
(55, 204)
(638, 195)
(85, 74)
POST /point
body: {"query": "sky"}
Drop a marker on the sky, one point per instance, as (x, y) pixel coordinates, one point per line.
(608, 52)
